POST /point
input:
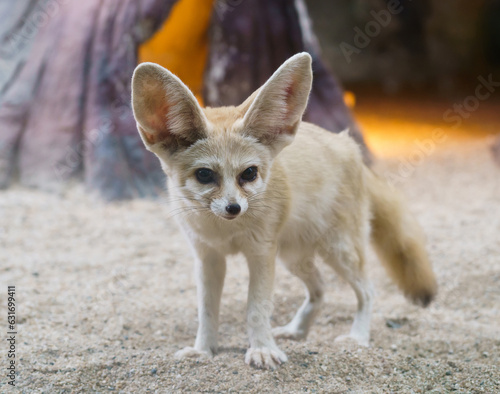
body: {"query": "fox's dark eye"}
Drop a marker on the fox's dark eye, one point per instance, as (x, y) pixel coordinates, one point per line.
(204, 175)
(249, 174)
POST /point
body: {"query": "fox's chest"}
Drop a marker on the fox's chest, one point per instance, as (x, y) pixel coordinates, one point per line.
(225, 236)
(229, 237)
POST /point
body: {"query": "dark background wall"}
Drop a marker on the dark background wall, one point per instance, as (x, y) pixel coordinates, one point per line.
(437, 46)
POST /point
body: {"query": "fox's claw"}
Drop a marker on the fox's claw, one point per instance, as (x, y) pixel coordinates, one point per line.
(191, 352)
(265, 358)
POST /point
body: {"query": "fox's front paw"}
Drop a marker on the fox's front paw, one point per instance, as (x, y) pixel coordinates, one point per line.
(288, 332)
(265, 358)
(191, 352)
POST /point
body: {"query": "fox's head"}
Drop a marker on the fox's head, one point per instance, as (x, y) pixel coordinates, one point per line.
(219, 158)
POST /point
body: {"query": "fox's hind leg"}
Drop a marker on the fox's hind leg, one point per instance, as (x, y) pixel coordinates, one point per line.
(302, 265)
(348, 260)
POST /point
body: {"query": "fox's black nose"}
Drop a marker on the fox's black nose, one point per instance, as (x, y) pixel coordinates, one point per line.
(233, 209)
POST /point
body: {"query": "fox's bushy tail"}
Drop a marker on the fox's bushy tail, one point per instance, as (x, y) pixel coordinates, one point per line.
(400, 243)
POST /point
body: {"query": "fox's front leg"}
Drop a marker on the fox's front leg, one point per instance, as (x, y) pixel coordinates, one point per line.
(263, 351)
(210, 267)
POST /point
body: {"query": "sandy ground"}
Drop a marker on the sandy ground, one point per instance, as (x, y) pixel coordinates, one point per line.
(106, 295)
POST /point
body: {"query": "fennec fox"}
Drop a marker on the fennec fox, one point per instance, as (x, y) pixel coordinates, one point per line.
(256, 179)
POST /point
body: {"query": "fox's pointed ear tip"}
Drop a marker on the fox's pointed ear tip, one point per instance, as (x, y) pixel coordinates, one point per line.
(300, 60)
(147, 68)
(303, 57)
(148, 65)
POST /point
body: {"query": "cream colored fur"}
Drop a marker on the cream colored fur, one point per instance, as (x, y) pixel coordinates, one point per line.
(312, 196)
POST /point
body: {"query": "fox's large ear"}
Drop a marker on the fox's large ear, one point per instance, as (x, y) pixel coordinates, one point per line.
(275, 113)
(167, 113)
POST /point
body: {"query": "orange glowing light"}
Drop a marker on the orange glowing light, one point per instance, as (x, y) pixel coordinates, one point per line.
(181, 45)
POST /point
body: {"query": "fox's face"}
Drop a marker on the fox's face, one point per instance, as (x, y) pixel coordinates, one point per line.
(220, 159)
(225, 173)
